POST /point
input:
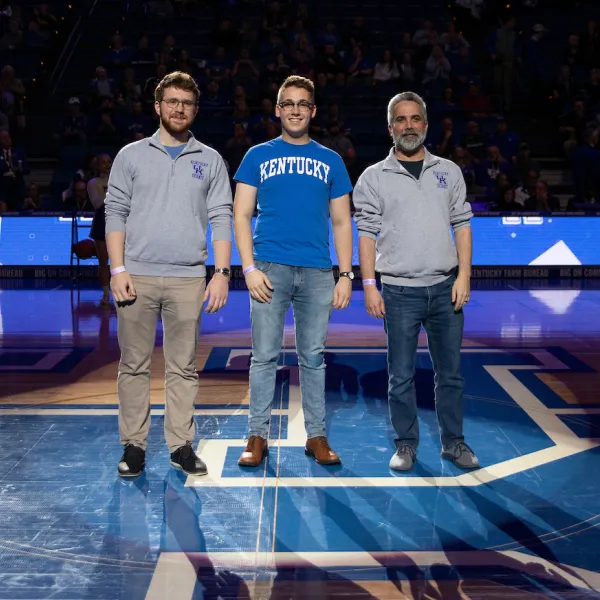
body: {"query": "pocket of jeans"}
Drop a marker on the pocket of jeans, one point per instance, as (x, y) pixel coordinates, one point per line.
(328, 270)
(262, 265)
(392, 289)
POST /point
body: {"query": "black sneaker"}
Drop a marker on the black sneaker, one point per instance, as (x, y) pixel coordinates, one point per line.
(185, 459)
(133, 461)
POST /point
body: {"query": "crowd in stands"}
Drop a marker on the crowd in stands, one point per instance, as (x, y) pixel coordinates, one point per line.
(479, 82)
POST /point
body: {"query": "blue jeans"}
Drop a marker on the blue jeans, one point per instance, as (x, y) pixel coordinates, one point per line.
(406, 309)
(310, 291)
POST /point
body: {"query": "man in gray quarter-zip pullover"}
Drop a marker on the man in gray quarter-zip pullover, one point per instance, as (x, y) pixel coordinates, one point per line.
(405, 207)
(162, 193)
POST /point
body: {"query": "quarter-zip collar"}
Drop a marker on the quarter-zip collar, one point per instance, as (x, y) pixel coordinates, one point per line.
(193, 145)
(391, 163)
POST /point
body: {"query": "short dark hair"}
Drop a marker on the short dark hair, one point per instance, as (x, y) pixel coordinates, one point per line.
(298, 82)
(179, 80)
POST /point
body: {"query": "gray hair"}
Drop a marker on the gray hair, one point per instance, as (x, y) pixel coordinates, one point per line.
(406, 97)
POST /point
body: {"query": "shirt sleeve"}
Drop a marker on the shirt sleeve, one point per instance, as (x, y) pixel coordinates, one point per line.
(118, 196)
(340, 180)
(219, 203)
(367, 215)
(460, 207)
(248, 170)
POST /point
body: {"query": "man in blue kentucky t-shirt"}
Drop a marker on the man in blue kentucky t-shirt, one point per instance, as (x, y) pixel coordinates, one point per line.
(296, 184)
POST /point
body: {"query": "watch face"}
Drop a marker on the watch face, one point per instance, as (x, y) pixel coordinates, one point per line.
(225, 272)
(349, 275)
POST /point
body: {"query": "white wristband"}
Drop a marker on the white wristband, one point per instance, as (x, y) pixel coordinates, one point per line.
(117, 270)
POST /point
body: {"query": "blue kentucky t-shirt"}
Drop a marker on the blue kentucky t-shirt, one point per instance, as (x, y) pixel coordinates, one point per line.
(294, 186)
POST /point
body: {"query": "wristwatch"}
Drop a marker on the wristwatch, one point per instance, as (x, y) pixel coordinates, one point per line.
(348, 274)
(223, 271)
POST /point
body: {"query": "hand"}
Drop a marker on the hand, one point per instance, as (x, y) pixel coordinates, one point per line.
(342, 293)
(122, 287)
(461, 291)
(374, 302)
(216, 293)
(259, 286)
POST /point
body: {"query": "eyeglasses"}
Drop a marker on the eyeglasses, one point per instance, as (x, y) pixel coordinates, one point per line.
(175, 102)
(303, 105)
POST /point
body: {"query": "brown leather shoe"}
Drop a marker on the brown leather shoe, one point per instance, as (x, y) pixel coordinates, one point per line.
(256, 450)
(319, 449)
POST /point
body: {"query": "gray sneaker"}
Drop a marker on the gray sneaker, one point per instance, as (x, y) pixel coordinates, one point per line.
(403, 459)
(461, 455)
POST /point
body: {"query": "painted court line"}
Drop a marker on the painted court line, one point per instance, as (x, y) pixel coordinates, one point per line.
(566, 442)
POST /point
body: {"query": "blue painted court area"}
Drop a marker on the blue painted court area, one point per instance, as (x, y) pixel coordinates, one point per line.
(527, 521)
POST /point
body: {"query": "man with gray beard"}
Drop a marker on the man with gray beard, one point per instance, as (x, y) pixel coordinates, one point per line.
(405, 207)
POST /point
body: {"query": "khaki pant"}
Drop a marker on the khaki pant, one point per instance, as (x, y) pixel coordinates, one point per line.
(178, 301)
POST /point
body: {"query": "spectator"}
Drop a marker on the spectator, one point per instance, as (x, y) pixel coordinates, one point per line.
(218, 68)
(236, 147)
(143, 54)
(573, 56)
(541, 200)
(489, 169)
(407, 71)
(97, 188)
(524, 163)
(34, 200)
(475, 104)
(464, 70)
(437, 72)
(589, 44)
(506, 140)
(34, 38)
(329, 63)
(447, 141)
(386, 69)
(505, 51)
(136, 122)
(585, 161)
(258, 125)
(506, 201)
(13, 167)
(356, 33)
(461, 158)
(45, 20)
(129, 91)
(13, 38)
(359, 67)
(473, 142)
(101, 86)
(524, 192)
(573, 125)
(118, 56)
(74, 126)
(12, 96)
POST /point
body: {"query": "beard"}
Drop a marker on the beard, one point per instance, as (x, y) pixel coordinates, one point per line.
(174, 127)
(407, 144)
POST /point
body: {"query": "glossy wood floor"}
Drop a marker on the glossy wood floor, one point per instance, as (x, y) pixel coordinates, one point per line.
(525, 525)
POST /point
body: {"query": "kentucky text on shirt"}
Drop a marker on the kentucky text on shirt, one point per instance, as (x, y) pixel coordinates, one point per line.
(297, 164)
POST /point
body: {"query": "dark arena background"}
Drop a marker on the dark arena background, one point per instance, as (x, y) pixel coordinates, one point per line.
(513, 97)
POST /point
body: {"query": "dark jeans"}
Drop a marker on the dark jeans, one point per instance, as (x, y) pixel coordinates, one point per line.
(407, 308)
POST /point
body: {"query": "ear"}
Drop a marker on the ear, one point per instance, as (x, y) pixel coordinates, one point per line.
(277, 112)
(157, 108)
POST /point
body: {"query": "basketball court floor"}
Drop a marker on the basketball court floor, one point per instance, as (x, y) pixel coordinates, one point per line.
(525, 525)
